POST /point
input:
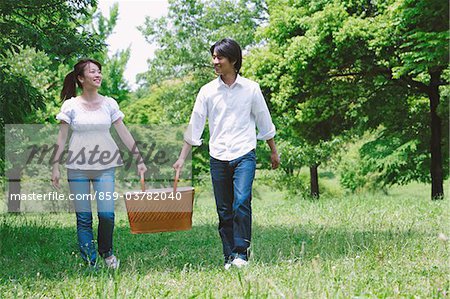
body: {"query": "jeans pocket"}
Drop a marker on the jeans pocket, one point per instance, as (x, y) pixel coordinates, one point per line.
(251, 155)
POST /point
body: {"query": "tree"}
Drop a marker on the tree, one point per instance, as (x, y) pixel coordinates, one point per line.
(113, 83)
(418, 56)
(190, 28)
(349, 66)
(50, 27)
(291, 68)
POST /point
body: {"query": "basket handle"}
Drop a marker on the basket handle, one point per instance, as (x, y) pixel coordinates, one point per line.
(142, 182)
(175, 182)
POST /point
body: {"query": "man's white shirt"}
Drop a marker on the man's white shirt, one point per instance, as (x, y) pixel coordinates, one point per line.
(234, 112)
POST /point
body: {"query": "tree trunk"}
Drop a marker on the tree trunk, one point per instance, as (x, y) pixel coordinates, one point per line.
(437, 190)
(314, 181)
(14, 190)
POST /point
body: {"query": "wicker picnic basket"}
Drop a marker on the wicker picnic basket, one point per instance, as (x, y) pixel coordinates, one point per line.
(160, 210)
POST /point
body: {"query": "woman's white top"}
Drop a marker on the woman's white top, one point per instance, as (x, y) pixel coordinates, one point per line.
(91, 146)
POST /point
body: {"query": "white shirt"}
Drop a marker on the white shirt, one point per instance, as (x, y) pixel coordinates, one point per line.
(91, 144)
(233, 111)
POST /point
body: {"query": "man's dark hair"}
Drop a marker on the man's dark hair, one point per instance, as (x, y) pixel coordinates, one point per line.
(230, 49)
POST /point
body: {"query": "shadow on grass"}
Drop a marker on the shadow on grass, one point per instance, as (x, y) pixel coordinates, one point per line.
(31, 248)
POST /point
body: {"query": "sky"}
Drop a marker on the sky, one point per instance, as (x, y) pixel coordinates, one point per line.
(132, 14)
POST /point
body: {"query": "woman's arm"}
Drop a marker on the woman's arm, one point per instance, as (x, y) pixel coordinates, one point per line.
(60, 143)
(183, 154)
(130, 143)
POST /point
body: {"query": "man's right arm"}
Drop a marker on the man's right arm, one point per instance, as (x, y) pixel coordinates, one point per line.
(193, 134)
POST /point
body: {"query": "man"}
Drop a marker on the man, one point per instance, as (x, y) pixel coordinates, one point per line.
(234, 105)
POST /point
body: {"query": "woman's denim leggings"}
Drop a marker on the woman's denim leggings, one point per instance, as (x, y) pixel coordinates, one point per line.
(103, 183)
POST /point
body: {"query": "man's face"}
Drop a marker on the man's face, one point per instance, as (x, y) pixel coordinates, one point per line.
(222, 66)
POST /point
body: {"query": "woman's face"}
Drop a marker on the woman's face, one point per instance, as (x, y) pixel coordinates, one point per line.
(92, 76)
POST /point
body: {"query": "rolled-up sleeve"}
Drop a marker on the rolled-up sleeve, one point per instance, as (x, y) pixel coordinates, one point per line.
(66, 113)
(194, 132)
(263, 120)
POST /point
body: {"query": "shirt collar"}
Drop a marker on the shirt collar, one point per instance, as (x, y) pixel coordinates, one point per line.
(237, 81)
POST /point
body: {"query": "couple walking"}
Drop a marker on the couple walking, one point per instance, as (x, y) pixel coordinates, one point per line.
(234, 106)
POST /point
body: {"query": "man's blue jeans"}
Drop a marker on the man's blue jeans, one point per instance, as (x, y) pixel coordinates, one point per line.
(103, 183)
(232, 183)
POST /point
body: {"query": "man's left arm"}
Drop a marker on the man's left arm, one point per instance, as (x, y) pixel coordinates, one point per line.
(274, 157)
(266, 128)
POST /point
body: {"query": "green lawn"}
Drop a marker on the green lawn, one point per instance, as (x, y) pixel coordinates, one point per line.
(361, 246)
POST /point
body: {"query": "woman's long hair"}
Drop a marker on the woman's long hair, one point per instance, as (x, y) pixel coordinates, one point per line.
(71, 81)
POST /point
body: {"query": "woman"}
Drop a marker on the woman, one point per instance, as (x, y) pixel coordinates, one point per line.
(92, 156)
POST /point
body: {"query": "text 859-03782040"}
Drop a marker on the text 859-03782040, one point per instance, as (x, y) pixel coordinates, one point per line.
(153, 196)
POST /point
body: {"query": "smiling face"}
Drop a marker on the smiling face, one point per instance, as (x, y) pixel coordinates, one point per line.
(92, 76)
(222, 65)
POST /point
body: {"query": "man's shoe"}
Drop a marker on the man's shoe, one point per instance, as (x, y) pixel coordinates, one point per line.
(239, 262)
(227, 266)
(112, 262)
(228, 261)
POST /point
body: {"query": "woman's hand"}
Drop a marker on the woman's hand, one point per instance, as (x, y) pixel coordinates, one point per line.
(178, 165)
(141, 169)
(55, 177)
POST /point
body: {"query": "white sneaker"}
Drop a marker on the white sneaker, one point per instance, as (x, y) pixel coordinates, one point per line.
(239, 263)
(227, 265)
(112, 262)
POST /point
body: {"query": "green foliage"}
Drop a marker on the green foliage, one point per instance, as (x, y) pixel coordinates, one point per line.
(170, 102)
(185, 35)
(24, 77)
(20, 69)
(144, 110)
(422, 45)
(30, 64)
(356, 173)
(53, 27)
(113, 83)
(292, 68)
(18, 97)
(296, 157)
(335, 68)
(294, 184)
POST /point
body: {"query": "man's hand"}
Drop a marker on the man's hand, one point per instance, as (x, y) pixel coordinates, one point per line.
(275, 158)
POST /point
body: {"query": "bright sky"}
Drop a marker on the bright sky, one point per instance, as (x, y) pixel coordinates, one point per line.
(132, 14)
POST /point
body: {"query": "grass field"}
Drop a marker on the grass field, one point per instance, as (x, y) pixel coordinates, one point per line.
(359, 246)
